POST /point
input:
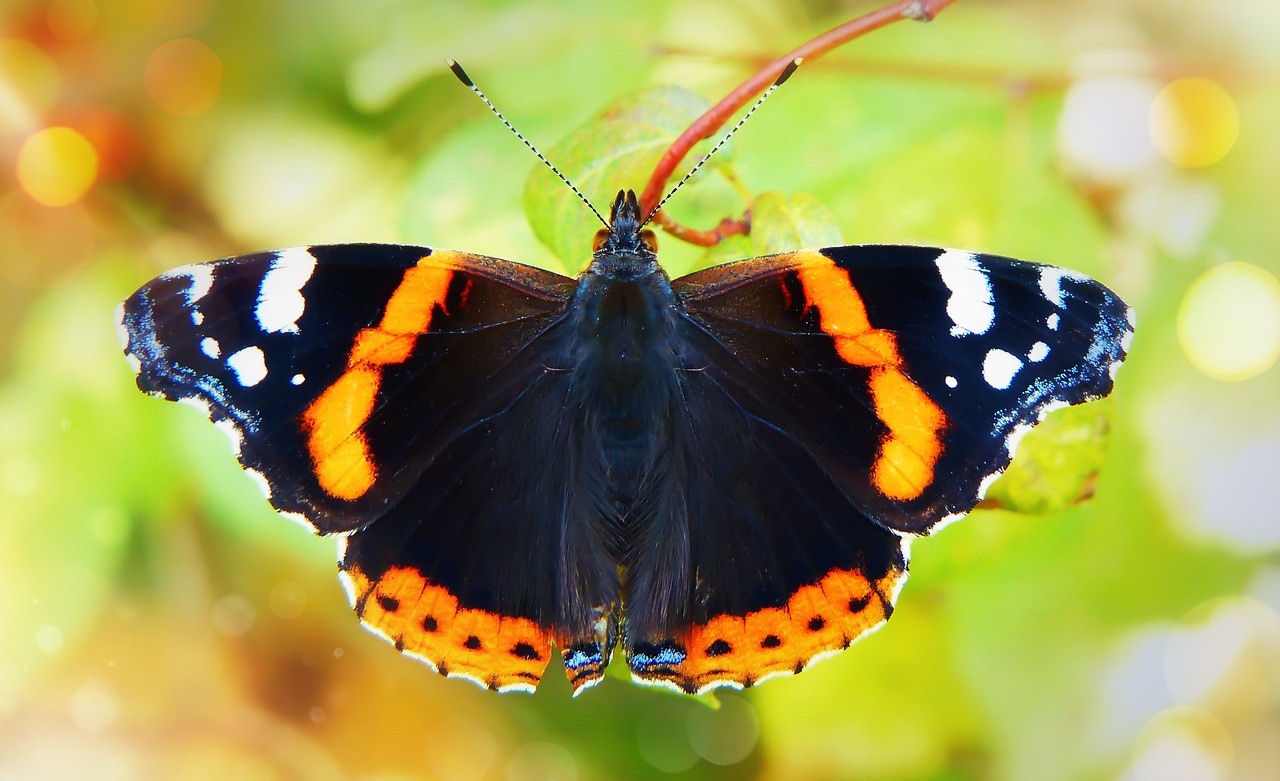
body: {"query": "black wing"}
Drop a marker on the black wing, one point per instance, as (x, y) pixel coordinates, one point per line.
(388, 394)
(836, 402)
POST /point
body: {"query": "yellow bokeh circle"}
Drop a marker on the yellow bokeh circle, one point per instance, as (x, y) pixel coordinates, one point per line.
(1194, 122)
(183, 77)
(57, 166)
(1229, 321)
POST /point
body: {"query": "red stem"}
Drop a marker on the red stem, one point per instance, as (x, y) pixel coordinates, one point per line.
(715, 117)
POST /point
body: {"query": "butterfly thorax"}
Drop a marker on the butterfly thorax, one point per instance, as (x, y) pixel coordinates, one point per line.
(623, 307)
(623, 343)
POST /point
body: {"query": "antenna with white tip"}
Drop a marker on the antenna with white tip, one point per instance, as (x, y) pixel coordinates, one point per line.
(778, 82)
(469, 84)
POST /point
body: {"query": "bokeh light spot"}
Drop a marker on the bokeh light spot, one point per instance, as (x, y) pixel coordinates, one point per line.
(184, 77)
(1240, 495)
(1225, 657)
(49, 639)
(93, 706)
(57, 166)
(1103, 130)
(233, 615)
(725, 736)
(29, 84)
(1182, 744)
(1194, 122)
(1229, 321)
(663, 741)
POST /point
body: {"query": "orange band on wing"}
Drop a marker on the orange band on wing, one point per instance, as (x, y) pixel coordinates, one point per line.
(503, 653)
(339, 450)
(904, 466)
(817, 620)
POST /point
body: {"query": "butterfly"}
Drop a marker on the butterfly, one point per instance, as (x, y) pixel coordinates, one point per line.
(722, 473)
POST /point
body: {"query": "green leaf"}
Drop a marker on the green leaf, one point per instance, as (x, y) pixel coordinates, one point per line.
(617, 149)
(1056, 463)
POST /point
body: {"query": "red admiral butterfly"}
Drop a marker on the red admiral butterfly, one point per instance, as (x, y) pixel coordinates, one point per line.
(723, 471)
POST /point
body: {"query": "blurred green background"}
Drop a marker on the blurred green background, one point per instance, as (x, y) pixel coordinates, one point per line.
(156, 620)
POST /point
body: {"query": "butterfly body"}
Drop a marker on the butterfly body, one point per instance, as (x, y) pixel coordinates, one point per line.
(721, 474)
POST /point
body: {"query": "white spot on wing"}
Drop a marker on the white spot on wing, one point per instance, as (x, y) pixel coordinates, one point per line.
(1039, 351)
(1051, 284)
(969, 306)
(201, 277)
(210, 347)
(297, 379)
(280, 300)
(951, 382)
(134, 363)
(1052, 321)
(250, 366)
(1126, 341)
(999, 367)
(197, 318)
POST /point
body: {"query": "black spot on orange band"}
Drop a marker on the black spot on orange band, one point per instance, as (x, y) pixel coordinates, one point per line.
(426, 621)
(743, 650)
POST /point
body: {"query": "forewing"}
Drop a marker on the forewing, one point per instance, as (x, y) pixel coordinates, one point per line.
(908, 373)
(299, 356)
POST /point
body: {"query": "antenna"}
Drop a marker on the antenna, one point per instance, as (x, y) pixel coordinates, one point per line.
(782, 78)
(471, 85)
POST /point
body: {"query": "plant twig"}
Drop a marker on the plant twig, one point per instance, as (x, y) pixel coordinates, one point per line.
(715, 117)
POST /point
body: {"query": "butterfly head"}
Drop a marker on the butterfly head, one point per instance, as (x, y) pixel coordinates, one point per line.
(626, 238)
